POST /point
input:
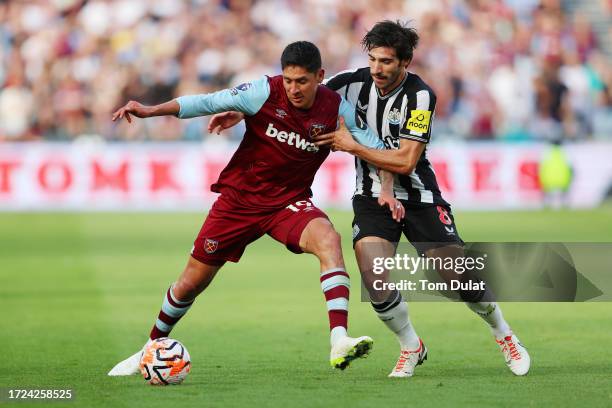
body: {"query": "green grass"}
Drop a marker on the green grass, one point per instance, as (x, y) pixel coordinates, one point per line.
(79, 292)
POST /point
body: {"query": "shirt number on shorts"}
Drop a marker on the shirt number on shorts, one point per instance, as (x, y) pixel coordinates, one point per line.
(299, 205)
(443, 215)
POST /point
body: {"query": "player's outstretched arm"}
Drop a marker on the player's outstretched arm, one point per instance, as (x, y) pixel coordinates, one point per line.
(246, 99)
(142, 111)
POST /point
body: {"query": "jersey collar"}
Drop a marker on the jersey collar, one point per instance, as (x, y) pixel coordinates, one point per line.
(394, 91)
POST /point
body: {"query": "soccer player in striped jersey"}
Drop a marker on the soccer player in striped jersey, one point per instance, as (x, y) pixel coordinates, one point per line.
(265, 189)
(400, 106)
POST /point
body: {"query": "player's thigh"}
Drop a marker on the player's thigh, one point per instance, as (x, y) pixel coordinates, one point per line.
(429, 227)
(300, 226)
(373, 220)
(226, 232)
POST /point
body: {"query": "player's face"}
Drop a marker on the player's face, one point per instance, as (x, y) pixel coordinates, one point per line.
(386, 69)
(301, 85)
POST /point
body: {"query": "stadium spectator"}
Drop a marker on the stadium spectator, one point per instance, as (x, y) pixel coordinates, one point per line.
(66, 65)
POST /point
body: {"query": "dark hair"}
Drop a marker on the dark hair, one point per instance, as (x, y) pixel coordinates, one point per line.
(303, 54)
(396, 35)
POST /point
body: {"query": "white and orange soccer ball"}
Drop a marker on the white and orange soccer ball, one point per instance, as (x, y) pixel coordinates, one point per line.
(165, 361)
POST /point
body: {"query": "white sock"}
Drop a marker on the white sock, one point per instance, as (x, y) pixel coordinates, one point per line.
(336, 334)
(491, 313)
(394, 314)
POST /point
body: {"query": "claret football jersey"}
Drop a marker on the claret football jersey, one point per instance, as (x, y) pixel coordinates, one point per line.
(277, 160)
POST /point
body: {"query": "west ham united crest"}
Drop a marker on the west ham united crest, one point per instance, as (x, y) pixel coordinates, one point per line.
(316, 129)
(210, 245)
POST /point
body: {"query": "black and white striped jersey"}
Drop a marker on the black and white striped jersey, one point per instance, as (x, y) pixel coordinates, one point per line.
(406, 113)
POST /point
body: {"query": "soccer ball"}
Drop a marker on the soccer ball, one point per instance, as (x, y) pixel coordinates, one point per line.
(165, 361)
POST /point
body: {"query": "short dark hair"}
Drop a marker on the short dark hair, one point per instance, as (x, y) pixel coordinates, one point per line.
(303, 54)
(396, 35)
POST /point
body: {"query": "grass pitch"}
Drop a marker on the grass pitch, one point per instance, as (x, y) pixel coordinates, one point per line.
(79, 292)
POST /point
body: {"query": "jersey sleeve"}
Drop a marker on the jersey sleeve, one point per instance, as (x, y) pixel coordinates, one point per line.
(418, 117)
(348, 83)
(358, 128)
(339, 81)
(247, 98)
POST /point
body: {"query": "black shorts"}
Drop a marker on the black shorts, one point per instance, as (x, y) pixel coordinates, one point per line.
(426, 226)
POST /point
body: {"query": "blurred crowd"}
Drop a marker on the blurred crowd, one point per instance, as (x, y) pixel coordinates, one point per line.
(502, 69)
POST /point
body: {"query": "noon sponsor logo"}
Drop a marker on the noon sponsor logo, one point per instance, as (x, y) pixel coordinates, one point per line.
(419, 121)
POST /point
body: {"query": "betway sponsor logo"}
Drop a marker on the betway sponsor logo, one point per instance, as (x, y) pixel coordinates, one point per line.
(291, 138)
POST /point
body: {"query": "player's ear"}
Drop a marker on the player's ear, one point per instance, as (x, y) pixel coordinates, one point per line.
(320, 75)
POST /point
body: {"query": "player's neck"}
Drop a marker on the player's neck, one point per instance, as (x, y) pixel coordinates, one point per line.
(394, 85)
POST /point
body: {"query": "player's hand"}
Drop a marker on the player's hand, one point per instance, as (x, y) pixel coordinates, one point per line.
(339, 140)
(131, 108)
(225, 120)
(397, 209)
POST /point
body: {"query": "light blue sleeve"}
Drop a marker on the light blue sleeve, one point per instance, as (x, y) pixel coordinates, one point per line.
(358, 128)
(247, 98)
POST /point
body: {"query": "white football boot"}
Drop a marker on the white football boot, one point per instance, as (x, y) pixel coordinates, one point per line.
(130, 365)
(408, 360)
(348, 349)
(516, 355)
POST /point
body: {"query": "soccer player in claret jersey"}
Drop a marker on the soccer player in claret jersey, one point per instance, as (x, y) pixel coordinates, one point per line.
(265, 189)
(399, 105)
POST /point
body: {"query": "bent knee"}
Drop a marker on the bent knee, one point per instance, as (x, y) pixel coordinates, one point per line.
(329, 242)
(331, 238)
(195, 278)
(185, 290)
(326, 244)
